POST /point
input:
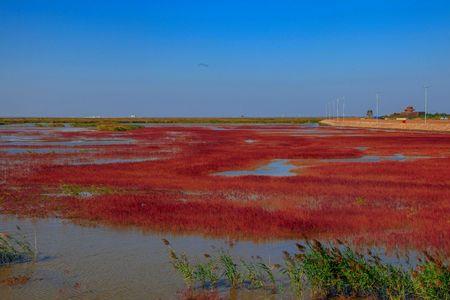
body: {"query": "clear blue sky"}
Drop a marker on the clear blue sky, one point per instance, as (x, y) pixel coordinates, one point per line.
(265, 58)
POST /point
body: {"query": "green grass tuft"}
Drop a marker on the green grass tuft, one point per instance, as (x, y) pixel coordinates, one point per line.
(79, 191)
(14, 249)
(230, 269)
(432, 279)
(206, 273)
(117, 127)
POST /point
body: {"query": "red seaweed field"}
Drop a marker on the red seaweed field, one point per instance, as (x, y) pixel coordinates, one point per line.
(382, 188)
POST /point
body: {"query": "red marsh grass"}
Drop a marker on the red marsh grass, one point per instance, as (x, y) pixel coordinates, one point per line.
(390, 203)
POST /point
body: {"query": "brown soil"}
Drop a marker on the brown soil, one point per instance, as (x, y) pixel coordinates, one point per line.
(418, 125)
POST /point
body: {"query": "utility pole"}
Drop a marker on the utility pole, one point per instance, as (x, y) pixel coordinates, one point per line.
(330, 110)
(426, 101)
(337, 109)
(343, 111)
(378, 106)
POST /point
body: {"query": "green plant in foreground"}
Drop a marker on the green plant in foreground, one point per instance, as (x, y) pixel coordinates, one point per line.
(206, 273)
(268, 271)
(230, 269)
(14, 249)
(294, 271)
(259, 275)
(182, 265)
(328, 271)
(432, 279)
(340, 271)
(252, 275)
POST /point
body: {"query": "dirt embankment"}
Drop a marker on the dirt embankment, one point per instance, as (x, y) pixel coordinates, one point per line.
(431, 125)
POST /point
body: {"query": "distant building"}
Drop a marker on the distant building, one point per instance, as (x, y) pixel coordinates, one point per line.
(369, 114)
(410, 112)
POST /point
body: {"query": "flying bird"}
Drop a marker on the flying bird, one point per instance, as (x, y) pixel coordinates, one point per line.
(202, 65)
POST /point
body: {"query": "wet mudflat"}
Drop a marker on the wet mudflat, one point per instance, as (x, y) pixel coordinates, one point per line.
(259, 188)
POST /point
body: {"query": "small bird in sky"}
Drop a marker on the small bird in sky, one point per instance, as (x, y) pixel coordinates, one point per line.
(202, 65)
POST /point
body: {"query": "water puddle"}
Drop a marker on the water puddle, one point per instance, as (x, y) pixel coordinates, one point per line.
(104, 161)
(38, 150)
(84, 142)
(284, 168)
(374, 158)
(217, 128)
(22, 136)
(278, 167)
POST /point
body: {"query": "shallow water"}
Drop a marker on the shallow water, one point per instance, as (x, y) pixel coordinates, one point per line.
(84, 142)
(99, 262)
(109, 263)
(15, 136)
(38, 150)
(279, 167)
(283, 167)
(104, 161)
(375, 158)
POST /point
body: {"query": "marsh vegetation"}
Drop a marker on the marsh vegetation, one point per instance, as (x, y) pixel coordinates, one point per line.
(14, 248)
(95, 121)
(320, 270)
(164, 179)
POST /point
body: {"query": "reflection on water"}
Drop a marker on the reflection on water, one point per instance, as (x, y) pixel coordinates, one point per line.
(122, 263)
(107, 263)
(15, 136)
(283, 167)
(278, 167)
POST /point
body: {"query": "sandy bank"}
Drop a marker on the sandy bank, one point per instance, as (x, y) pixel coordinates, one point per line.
(431, 125)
